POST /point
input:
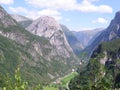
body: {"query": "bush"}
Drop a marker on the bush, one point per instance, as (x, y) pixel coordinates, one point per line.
(7, 83)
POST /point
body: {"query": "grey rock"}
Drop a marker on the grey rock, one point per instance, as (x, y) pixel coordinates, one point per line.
(47, 27)
(5, 19)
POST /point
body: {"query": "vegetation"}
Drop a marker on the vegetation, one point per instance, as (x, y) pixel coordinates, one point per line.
(7, 83)
(65, 80)
(50, 88)
(21, 52)
(98, 76)
(16, 83)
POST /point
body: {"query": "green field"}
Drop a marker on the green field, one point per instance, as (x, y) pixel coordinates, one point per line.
(67, 78)
(64, 81)
(50, 88)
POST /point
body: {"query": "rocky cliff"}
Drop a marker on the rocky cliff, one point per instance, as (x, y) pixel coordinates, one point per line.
(47, 27)
(75, 44)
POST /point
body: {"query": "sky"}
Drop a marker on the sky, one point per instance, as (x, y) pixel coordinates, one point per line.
(77, 15)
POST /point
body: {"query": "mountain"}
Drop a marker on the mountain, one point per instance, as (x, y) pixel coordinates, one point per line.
(24, 21)
(103, 69)
(87, 37)
(47, 27)
(111, 32)
(72, 40)
(37, 57)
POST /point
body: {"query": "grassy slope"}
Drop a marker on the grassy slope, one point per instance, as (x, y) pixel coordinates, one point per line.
(50, 88)
(64, 81)
(112, 45)
(9, 58)
(67, 78)
(13, 55)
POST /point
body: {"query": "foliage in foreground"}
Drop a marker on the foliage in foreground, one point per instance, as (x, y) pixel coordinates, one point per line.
(7, 83)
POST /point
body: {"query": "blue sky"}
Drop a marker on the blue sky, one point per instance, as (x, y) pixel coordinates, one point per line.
(75, 14)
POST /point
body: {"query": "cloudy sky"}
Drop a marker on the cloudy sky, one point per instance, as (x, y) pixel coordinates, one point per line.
(75, 14)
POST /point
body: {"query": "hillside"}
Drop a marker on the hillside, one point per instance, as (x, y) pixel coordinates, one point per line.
(35, 55)
(102, 69)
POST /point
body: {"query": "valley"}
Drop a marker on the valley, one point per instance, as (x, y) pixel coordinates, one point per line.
(38, 52)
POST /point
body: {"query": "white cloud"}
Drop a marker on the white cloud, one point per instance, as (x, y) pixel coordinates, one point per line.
(82, 29)
(105, 9)
(50, 12)
(54, 4)
(35, 14)
(84, 6)
(6, 2)
(100, 20)
(87, 6)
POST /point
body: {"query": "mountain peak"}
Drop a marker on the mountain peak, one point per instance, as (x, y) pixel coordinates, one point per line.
(49, 21)
(44, 26)
(5, 19)
(49, 28)
(117, 14)
(117, 17)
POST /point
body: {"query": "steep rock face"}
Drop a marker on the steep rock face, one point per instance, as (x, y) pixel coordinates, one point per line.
(47, 27)
(72, 40)
(112, 32)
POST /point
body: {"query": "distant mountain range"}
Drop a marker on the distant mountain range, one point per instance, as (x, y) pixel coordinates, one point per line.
(87, 37)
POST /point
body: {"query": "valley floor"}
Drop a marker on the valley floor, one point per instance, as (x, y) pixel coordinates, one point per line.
(61, 82)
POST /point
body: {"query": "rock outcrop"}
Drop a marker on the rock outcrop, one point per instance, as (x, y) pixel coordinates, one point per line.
(47, 27)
